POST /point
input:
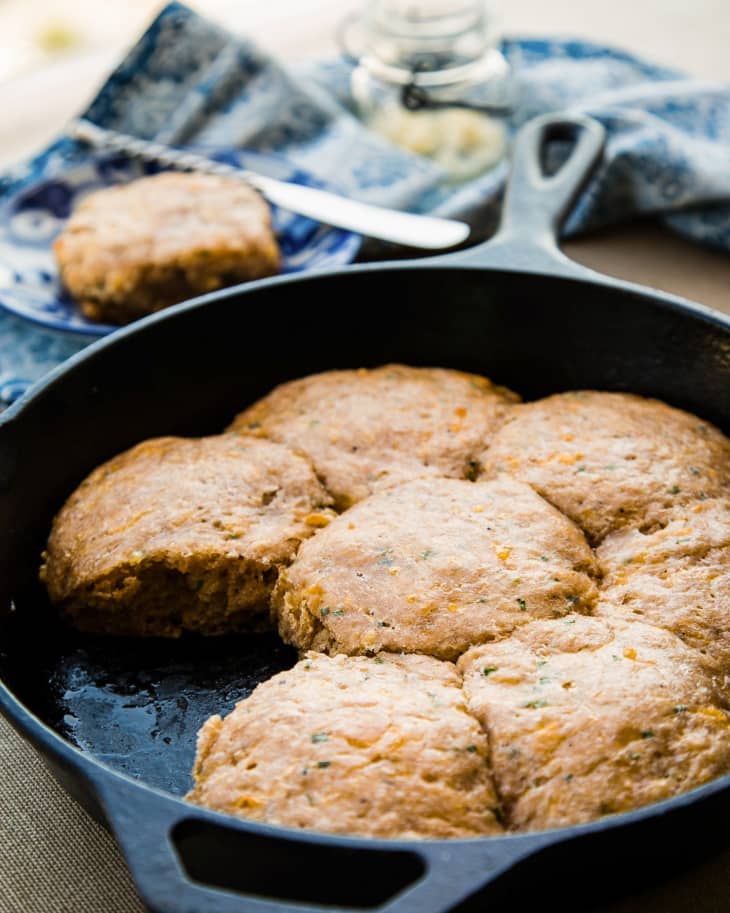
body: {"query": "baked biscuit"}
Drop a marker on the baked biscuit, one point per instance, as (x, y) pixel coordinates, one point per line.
(434, 566)
(379, 747)
(136, 248)
(609, 460)
(677, 577)
(181, 534)
(587, 718)
(367, 430)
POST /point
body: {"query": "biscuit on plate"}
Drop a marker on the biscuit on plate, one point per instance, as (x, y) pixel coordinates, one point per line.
(136, 248)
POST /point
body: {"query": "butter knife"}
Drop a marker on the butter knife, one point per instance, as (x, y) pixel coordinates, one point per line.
(427, 232)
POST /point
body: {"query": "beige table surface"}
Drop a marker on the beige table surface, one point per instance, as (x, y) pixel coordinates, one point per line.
(53, 858)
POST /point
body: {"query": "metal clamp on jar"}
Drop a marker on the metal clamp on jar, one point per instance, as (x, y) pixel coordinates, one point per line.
(430, 78)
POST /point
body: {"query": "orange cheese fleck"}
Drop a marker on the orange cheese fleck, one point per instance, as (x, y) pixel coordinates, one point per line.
(318, 521)
(569, 458)
(714, 713)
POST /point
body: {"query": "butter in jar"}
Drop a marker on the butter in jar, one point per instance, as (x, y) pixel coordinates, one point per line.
(430, 78)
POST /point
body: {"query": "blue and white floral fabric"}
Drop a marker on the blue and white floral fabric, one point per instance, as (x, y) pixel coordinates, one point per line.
(188, 81)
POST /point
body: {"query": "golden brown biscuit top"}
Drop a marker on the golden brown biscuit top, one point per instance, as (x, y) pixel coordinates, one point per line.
(434, 566)
(176, 497)
(366, 430)
(610, 459)
(676, 577)
(690, 531)
(158, 219)
(382, 747)
(588, 718)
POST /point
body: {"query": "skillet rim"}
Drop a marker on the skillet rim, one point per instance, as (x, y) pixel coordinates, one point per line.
(576, 273)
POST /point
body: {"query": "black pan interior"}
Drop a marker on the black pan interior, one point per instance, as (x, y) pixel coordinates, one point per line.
(138, 705)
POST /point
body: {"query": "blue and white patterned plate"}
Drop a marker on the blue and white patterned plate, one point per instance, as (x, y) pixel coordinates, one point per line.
(31, 219)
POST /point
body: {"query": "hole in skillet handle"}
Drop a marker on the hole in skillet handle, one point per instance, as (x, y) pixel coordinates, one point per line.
(557, 145)
(539, 196)
(302, 872)
(543, 186)
(185, 859)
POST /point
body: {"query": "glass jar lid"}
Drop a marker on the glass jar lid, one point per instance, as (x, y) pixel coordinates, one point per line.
(437, 49)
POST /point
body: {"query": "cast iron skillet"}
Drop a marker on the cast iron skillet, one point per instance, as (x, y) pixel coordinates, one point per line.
(516, 310)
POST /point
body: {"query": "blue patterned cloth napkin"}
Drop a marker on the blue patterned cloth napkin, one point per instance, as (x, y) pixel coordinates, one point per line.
(188, 81)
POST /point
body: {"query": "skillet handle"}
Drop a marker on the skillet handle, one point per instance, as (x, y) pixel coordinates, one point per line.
(185, 859)
(535, 204)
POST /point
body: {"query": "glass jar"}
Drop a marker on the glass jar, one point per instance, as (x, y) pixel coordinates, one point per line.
(430, 78)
